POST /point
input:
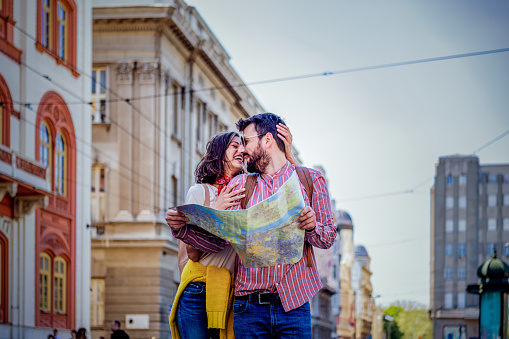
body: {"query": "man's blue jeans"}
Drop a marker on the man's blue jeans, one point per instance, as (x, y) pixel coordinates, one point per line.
(192, 314)
(252, 320)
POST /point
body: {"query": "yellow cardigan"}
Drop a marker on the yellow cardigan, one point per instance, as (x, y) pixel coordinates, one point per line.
(219, 297)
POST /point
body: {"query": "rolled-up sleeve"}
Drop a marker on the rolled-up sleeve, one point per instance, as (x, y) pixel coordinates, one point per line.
(324, 234)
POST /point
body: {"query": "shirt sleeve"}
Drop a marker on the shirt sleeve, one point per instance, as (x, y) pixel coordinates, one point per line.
(238, 182)
(324, 234)
(194, 235)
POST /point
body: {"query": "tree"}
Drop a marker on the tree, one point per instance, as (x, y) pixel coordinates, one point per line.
(415, 324)
(394, 312)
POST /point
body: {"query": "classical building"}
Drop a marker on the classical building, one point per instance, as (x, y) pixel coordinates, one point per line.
(361, 284)
(469, 222)
(45, 58)
(163, 87)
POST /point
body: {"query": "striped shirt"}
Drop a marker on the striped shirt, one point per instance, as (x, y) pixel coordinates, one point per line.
(295, 283)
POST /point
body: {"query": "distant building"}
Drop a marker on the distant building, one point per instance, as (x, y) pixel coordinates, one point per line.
(45, 53)
(469, 222)
(361, 284)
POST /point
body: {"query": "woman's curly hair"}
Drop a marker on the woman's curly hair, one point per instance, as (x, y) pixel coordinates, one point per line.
(211, 165)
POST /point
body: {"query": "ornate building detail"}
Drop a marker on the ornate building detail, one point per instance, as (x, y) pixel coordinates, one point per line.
(148, 71)
(5, 157)
(27, 204)
(54, 243)
(31, 168)
(124, 72)
(8, 187)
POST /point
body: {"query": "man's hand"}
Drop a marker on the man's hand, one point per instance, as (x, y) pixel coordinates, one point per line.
(307, 219)
(175, 219)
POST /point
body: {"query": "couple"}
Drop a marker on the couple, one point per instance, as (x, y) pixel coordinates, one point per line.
(269, 301)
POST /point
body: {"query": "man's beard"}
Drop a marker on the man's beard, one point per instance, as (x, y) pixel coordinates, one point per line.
(258, 161)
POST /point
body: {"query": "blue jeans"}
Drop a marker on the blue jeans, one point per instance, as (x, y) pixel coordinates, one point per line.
(192, 314)
(252, 320)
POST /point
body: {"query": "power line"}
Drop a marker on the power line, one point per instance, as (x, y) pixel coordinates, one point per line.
(491, 142)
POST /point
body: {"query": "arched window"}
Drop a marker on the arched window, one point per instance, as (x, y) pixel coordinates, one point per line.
(60, 282)
(44, 282)
(6, 110)
(4, 276)
(60, 164)
(45, 148)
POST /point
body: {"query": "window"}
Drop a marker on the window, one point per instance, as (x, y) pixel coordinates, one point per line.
(199, 114)
(6, 107)
(99, 95)
(449, 202)
(97, 302)
(492, 224)
(448, 300)
(461, 300)
(52, 298)
(505, 224)
(492, 178)
(462, 202)
(450, 180)
(61, 31)
(45, 146)
(212, 124)
(491, 248)
(449, 226)
(7, 25)
(462, 225)
(492, 200)
(174, 184)
(60, 164)
(448, 274)
(449, 250)
(98, 195)
(506, 199)
(462, 180)
(462, 250)
(175, 95)
(462, 273)
(46, 23)
(56, 31)
(4, 278)
(44, 282)
(59, 286)
(506, 251)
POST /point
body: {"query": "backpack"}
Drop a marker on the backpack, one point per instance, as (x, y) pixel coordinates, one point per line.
(304, 178)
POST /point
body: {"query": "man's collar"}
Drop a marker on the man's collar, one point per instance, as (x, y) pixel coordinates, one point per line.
(282, 171)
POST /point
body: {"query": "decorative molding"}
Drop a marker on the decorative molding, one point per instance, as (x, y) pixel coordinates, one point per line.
(6, 157)
(25, 205)
(124, 72)
(148, 71)
(8, 187)
(31, 168)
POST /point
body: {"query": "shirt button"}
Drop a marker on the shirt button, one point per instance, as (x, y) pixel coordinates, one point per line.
(277, 284)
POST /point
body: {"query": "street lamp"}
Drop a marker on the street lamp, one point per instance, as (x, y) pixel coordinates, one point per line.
(389, 319)
(493, 297)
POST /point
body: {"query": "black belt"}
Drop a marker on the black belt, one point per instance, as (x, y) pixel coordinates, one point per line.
(262, 298)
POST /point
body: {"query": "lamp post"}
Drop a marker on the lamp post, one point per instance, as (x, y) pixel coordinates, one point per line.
(493, 297)
(389, 319)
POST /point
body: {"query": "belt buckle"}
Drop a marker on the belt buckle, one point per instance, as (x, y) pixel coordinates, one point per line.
(260, 302)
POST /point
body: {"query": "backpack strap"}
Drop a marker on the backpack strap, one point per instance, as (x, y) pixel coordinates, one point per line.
(206, 203)
(305, 179)
(249, 186)
(307, 182)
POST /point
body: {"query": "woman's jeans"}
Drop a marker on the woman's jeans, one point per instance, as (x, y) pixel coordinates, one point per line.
(192, 314)
(254, 320)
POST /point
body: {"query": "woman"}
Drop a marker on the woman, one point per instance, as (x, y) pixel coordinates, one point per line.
(222, 161)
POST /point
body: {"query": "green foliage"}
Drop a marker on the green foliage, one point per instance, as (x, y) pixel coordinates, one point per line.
(411, 321)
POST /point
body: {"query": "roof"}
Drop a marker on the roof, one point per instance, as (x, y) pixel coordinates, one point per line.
(360, 251)
(343, 220)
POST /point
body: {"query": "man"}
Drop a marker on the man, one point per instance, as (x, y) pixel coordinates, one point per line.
(55, 334)
(271, 301)
(117, 333)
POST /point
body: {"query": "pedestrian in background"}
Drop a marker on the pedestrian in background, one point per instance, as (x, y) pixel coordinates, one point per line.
(117, 332)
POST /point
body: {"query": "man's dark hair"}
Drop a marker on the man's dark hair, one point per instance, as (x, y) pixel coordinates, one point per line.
(211, 166)
(264, 123)
(117, 323)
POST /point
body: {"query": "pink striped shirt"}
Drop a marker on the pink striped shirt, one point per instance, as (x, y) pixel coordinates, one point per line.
(295, 283)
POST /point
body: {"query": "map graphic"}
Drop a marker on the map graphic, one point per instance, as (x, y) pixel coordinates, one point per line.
(265, 234)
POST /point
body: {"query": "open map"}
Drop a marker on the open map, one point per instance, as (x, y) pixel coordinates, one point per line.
(265, 234)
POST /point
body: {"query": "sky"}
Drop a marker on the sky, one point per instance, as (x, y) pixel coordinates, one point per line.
(379, 132)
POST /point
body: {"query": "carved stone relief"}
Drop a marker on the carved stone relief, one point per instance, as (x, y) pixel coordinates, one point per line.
(124, 72)
(27, 204)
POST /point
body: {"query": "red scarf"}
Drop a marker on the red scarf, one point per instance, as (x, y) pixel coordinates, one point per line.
(222, 182)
